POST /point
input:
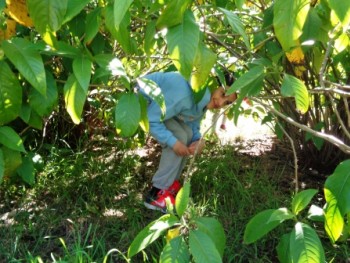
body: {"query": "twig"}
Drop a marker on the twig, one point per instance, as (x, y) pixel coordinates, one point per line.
(295, 158)
(342, 125)
(330, 138)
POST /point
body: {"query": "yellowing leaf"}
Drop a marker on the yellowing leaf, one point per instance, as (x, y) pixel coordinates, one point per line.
(296, 56)
(11, 28)
(172, 233)
(17, 10)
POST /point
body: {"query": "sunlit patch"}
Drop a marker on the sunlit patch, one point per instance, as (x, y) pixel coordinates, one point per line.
(116, 67)
(113, 213)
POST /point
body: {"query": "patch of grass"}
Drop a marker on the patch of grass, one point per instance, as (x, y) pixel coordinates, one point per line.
(88, 204)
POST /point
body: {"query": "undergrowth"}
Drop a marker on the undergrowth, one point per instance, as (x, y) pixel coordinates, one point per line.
(89, 202)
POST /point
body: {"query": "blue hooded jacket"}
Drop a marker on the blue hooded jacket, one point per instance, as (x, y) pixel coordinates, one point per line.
(179, 103)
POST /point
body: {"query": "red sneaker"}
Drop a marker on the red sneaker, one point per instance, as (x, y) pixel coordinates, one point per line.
(174, 188)
(159, 202)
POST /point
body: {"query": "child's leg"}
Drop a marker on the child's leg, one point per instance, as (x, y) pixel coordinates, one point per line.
(171, 165)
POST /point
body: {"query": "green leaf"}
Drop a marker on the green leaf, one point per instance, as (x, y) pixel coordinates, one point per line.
(342, 11)
(237, 25)
(288, 21)
(302, 200)
(291, 86)
(283, 252)
(204, 62)
(75, 97)
(10, 94)
(182, 199)
(120, 9)
(214, 230)
(47, 15)
(74, 7)
(305, 245)
(11, 139)
(27, 60)
(150, 233)
(316, 213)
(82, 71)
(175, 251)
(181, 50)
(334, 222)
(44, 105)
(247, 80)
(144, 123)
(281, 215)
(2, 166)
(173, 14)
(338, 184)
(203, 248)
(149, 37)
(31, 117)
(92, 24)
(12, 160)
(26, 171)
(63, 49)
(261, 224)
(153, 91)
(127, 114)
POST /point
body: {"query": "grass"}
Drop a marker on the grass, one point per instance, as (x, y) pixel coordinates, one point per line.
(87, 204)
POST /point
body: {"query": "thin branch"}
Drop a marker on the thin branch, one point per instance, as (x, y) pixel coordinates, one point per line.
(330, 138)
(295, 157)
(343, 126)
(347, 110)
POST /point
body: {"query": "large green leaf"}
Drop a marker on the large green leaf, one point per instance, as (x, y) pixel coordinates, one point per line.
(26, 171)
(27, 60)
(342, 11)
(175, 251)
(2, 166)
(305, 245)
(237, 25)
(10, 94)
(11, 139)
(47, 15)
(282, 248)
(263, 223)
(204, 62)
(203, 248)
(82, 70)
(127, 114)
(302, 199)
(120, 8)
(44, 105)
(74, 7)
(288, 21)
(182, 41)
(75, 97)
(150, 233)
(153, 91)
(182, 199)
(121, 34)
(291, 86)
(92, 24)
(214, 230)
(247, 80)
(12, 160)
(31, 117)
(339, 185)
(149, 42)
(173, 14)
(334, 222)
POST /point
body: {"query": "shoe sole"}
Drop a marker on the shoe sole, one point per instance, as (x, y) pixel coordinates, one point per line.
(153, 207)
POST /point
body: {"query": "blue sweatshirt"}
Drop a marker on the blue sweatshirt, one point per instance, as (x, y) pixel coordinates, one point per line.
(179, 103)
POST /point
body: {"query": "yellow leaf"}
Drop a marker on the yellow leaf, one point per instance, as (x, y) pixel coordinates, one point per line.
(11, 28)
(172, 233)
(296, 56)
(17, 10)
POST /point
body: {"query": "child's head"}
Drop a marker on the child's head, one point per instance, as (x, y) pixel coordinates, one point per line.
(218, 97)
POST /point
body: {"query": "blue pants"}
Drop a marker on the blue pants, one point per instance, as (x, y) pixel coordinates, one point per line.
(171, 165)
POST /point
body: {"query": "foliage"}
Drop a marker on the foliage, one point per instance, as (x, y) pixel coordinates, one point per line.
(303, 244)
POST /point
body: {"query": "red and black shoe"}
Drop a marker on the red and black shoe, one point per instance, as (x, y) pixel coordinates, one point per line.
(159, 200)
(174, 188)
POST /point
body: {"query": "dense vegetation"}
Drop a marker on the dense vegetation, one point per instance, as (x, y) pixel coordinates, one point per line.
(68, 68)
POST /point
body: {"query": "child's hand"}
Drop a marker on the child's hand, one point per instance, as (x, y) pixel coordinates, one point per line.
(181, 149)
(200, 144)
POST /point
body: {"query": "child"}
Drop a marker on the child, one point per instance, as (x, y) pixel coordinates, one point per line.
(178, 131)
